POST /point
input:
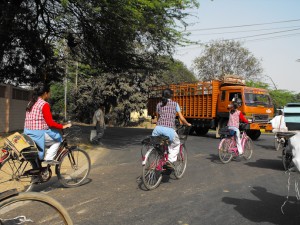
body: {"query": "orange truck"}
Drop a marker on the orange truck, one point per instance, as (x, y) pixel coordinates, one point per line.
(205, 104)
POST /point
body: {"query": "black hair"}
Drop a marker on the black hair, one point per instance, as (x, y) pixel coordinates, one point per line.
(38, 91)
(166, 94)
(235, 105)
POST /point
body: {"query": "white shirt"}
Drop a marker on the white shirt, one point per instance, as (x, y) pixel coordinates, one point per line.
(99, 117)
(278, 124)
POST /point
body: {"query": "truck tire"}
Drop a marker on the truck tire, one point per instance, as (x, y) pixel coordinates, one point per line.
(254, 134)
(201, 131)
(192, 130)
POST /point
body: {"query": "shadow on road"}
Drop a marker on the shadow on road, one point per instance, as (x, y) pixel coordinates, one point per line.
(268, 147)
(214, 158)
(267, 208)
(267, 164)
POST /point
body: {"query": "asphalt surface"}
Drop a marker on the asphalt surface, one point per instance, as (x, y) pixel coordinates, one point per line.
(240, 192)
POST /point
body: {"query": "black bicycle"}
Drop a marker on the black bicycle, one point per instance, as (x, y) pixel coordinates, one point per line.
(22, 170)
(31, 208)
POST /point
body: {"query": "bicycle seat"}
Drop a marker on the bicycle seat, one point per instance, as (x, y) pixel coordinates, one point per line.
(285, 135)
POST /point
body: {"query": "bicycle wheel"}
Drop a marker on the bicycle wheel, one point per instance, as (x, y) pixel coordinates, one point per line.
(151, 175)
(225, 154)
(12, 175)
(32, 208)
(248, 149)
(74, 167)
(287, 157)
(180, 164)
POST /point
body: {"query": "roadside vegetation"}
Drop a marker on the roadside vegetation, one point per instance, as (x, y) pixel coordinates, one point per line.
(112, 53)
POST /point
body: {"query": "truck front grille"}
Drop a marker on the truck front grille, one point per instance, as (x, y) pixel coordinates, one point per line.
(260, 118)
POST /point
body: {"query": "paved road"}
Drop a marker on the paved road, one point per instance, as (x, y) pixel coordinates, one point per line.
(241, 192)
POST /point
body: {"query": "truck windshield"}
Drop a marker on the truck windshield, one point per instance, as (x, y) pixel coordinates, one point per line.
(253, 99)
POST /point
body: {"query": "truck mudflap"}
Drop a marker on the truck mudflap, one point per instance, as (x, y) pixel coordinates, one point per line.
(267, 127)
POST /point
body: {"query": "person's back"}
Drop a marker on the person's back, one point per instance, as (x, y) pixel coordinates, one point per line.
(235, 116)
(278, 123)
(166, 113)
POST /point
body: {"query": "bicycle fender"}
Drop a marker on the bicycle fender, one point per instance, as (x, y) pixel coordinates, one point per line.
(221, 142)
(146, 156)
(7, 194)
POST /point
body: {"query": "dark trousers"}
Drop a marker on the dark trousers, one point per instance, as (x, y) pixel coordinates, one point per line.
(100, 132)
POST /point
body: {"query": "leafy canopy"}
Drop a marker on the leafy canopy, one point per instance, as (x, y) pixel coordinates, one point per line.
(112, 36)
(226, 57)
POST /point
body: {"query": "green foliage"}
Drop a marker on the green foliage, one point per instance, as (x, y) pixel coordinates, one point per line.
(226, 57)
(57, 99)
(175, 72)
(281, 97)
(120, 96)
(112, 36)
(257, 84)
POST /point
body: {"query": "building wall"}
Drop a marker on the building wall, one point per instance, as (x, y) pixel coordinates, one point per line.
(2, 114)
(13, 102)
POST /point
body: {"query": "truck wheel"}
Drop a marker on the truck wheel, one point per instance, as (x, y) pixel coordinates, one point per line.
(192, 130)
(201, 131)
(254, 134)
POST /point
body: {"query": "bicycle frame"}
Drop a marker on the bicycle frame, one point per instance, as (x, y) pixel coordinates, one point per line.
(233, 145)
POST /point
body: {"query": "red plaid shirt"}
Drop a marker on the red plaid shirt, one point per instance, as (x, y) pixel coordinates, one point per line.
(34, 119)
(40, 117)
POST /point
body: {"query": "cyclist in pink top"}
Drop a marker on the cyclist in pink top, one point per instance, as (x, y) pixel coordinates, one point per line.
(235, 116)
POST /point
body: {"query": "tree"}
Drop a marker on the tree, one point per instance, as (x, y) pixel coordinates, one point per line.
(226, 57)
(112, 36)
(281, 97)
(175, 72)
(120, 96)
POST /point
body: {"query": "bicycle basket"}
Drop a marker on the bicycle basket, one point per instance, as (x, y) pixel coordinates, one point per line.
(183, 132)
(225, 131)
(244, 126)
(73, 135)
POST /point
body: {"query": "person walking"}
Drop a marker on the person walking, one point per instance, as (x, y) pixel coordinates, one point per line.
(99, 122)
(166, 111)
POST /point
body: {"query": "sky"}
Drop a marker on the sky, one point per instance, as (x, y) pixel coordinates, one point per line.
(273, 24)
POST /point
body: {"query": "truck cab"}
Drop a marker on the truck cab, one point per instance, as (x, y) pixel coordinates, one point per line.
(256, 105)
